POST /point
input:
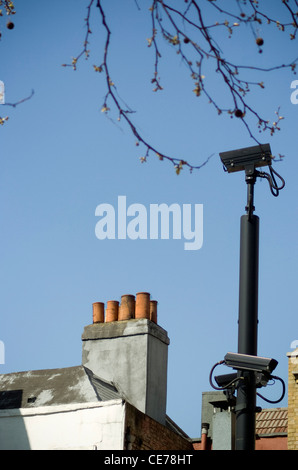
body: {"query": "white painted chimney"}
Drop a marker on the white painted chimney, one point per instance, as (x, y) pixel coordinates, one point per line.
(132, 353)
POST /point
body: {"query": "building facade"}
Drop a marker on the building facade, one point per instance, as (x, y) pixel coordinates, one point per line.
(293, 400)
(114, 400)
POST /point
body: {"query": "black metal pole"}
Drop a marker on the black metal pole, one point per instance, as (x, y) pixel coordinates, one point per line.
(248, 322)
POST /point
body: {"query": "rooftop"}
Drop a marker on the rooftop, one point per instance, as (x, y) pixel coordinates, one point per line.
(272, 421)
(54, 387)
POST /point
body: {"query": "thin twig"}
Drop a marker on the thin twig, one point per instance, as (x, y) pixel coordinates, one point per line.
(166, 20)
(14, 105)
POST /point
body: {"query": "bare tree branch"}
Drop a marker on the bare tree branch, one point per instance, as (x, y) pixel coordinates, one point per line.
(14, 105)
(10, 10)
(185, 29)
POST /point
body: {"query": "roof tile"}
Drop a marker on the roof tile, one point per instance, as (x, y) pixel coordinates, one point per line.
(272, 421)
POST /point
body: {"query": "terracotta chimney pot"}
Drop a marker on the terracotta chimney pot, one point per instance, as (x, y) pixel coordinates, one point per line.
(142, 305)
(112, 310)
(204, 436)
(98, 312)
(127, 307)
(153, 310)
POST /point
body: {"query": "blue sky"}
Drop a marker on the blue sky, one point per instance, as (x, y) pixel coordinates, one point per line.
(61, 157)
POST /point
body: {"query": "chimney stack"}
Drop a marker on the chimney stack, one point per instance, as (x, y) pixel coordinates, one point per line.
(128, 347)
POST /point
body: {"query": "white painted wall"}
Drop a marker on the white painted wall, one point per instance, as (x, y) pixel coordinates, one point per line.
(98, 426)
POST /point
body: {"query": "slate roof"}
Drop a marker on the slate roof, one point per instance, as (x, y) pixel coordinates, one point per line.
(272, 421)
(54, 387)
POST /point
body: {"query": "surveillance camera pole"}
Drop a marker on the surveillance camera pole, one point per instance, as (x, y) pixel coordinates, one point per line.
(248, 317)
(248, 159)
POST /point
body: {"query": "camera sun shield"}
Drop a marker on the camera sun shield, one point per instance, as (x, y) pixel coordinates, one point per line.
(252, 363)
(241, 159)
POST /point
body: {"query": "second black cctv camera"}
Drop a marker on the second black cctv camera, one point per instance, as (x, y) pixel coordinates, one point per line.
(225, 380)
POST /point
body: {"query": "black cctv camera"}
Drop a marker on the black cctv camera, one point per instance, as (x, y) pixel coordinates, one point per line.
(251, 363)
(229, 381)
(225, 380)
(245, 158)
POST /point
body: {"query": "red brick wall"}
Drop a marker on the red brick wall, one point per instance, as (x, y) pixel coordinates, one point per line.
(272, 443)
(197, 445)
(144, 433)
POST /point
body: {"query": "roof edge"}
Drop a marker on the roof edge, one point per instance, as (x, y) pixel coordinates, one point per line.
(53, 409)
